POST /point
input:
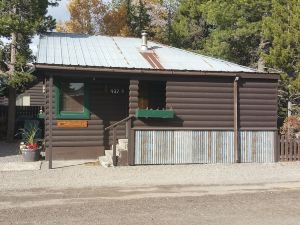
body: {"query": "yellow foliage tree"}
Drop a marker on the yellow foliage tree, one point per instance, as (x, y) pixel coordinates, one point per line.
(115, 22)
(86, 17)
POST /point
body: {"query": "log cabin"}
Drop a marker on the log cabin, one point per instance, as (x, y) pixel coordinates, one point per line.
(138, 102)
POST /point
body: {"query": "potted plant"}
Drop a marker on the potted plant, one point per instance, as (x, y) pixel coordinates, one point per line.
(30, 147)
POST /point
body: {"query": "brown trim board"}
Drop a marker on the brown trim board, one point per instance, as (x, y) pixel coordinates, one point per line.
(158, 72)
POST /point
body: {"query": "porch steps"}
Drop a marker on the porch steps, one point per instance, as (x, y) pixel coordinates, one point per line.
(107, 159)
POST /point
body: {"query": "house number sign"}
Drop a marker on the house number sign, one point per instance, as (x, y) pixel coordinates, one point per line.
(117, 91)
(72, 123)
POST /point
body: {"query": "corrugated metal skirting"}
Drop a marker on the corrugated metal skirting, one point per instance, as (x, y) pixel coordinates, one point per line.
(180, 147)
(184, 147)
(257, 146)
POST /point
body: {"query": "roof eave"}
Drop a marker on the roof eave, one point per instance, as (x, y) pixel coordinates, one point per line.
(162, 72)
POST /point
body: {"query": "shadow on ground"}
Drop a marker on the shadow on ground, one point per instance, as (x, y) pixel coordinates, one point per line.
(9, 149)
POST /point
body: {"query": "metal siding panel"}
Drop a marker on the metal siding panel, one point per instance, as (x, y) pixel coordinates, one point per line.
(65, 51)
(57, 48)
(101, 59)
(72, 52)
(183, 147)
(50, 50)
(79, 52)
(86, 51)
(42, 50)
(257, 146)
(128, 47)
(92, 51)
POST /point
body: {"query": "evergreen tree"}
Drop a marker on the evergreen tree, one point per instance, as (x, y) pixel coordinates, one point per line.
(138, 17)
(282, 31)
(161, 14)
(237, 30)
(189, 28)
(19, 21)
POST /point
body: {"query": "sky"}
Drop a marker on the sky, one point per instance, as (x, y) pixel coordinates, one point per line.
(60, 13)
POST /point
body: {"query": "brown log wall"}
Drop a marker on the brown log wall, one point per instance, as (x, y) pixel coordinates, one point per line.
(257, 104)
(200, 103)
(37, 97)
(72, 143)
(197, 102)
(208, 103)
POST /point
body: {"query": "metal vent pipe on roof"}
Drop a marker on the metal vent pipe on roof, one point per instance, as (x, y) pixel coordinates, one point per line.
(144, 41)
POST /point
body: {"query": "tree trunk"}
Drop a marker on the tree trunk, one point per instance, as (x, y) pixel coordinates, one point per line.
(12, 92)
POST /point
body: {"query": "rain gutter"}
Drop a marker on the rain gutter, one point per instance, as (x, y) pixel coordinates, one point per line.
(158, 72)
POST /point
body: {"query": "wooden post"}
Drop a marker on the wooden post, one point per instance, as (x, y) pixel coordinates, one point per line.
(114, 147)
(281, 158)
(236, 116)
(277, 146)
(50, 119)
(128, 136)
(286, 147)
(128, 127)
(131, 153)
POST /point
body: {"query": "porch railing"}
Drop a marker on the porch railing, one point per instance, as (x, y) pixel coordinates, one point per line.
(114, 128)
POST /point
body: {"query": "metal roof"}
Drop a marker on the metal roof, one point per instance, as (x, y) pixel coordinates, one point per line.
(124, 52)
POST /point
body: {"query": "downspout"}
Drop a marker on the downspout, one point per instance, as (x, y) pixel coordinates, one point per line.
(236, 120)
(50, 118)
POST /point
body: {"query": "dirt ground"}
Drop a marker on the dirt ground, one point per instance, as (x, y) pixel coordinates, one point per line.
(153, 205)
(188, 194)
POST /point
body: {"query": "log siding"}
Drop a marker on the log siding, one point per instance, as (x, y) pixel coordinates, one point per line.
(209, 103)
(90, 142)
(199, 103)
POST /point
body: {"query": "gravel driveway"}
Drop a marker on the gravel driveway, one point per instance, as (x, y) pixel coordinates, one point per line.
(80, 176)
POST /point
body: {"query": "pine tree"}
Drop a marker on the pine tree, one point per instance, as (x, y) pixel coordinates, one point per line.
(19, 21)
(282, 31)
(189, 28)
(236, 33)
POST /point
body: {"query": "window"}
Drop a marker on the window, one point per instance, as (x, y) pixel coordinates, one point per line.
(71, 100)
(23, 100)
(152, 95)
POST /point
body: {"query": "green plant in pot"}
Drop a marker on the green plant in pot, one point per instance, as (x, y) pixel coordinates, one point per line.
(29, 147)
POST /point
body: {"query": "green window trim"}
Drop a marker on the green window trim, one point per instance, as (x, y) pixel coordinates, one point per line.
(71, 115)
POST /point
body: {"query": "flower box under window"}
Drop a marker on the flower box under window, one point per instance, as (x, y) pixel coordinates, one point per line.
(150, 113)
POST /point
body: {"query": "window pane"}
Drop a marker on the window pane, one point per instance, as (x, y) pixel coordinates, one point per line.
(72, 95)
